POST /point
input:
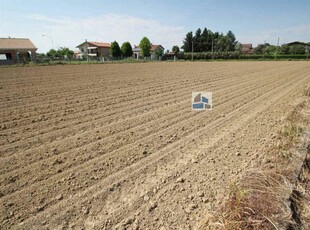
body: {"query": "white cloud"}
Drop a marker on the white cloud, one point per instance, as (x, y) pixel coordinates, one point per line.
(71, 32)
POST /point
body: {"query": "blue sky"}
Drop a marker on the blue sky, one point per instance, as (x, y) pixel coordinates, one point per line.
(67, 23)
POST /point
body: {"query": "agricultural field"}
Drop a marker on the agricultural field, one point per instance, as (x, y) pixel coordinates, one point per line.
(118, 145)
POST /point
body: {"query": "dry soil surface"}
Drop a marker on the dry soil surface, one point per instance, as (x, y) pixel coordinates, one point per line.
(118, 145)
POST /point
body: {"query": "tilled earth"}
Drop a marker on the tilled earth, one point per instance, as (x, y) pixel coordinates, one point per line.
(118, 145)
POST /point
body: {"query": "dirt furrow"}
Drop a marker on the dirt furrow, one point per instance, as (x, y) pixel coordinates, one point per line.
(46, 152)
(60, 163)
(105, 185)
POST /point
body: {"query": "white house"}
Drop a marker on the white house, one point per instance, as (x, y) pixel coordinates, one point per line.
(154, 50)
(94, 49)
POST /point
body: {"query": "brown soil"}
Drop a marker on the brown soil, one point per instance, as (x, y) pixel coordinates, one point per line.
(118, 146)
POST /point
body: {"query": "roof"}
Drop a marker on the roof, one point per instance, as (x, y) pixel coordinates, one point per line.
(16, 44)
(97, 44)
(297, 43)
(153, 48)
(246, 45)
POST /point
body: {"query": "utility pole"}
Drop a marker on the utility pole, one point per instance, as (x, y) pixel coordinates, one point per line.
(192, 50)
(212, 48)
(277, 47)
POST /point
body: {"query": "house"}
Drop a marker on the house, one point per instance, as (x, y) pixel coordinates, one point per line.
(94, 49)
(155, 50)
(247, 49)
(16, 50)
(77, 54)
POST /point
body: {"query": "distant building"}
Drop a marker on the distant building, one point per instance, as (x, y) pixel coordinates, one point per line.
(94, 49)
(16, 50)
(247, 49)
(297, 43)
(77, 54)
(154, 50)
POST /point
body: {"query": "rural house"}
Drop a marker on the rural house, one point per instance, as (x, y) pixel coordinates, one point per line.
(94, 49)
(247, 49)
(16, 50)
(155, 49)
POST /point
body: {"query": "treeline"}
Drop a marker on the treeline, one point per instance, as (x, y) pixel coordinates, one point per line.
(283, 49)
(207, 41)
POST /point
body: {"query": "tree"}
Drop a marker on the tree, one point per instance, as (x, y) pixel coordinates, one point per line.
(197, 41)
(297, 49)
(284, 49)
(231, 41)
(238, 47)
(204, 40)
(145, 46)
(159, 53)
(260, 49)
(187, 42)
(175, 50)
(62, 52)
(115, 51)
(205, 43)
(52, 53)
(271, 49)
(65, 52)
(126, 49)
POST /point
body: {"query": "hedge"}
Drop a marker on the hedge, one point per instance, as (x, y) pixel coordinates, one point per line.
(235, 55)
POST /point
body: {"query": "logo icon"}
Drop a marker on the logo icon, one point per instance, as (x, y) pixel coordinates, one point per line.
(202, 100)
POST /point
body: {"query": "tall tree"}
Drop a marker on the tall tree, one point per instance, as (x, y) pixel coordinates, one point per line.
(187, 42)
(197, 41)
(231, 41)
(126, 49)
(204, 40)
(115, 51)
(145, 46)
(204, 46)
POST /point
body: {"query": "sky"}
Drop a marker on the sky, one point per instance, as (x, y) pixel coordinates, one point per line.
(67, 23)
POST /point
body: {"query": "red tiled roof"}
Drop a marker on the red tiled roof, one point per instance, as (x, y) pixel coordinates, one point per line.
(16, 43)
(97, 44)
(101, 44)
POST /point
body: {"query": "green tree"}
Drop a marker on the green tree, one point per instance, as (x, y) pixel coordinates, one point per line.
(175, 50)
(197, 41)
(126, 49)
(115, 50)
(260, 49)
(51, 53)
(145, 46)
(187, 42)
(284, 49)
(238, 47)
(231, 41)
(297, 49)
(204, 39)
(65, 52)
(271, 49)
(159, 53)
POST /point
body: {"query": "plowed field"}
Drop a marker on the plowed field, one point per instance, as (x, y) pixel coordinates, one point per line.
(118, 145)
